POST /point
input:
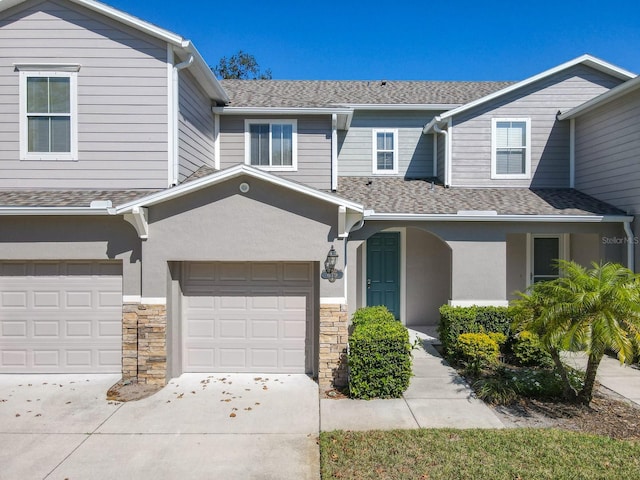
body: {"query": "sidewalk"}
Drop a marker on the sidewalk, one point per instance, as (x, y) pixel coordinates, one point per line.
(622, 379)
(436, 398)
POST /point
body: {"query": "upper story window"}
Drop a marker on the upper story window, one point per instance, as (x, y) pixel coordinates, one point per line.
(511, 148)
(385, 151)
(48, 118)
(272, 144)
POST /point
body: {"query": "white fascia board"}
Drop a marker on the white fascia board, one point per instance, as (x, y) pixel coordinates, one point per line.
(606, 97)
(45, 211)
(129, 20)
(203, 73)
(281, 111)
(400, 106)
(416, 217)
(228, 174)
(588, 60)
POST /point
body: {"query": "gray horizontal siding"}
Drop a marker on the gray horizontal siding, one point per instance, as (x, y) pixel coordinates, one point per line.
(540, 101)
(607, 153)
(195, 127)
(415, 150)
(122, 98)
(314, 148)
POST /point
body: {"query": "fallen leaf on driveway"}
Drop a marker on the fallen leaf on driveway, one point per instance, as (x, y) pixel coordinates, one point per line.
(232, 414)
(181, 395)
(17, 414)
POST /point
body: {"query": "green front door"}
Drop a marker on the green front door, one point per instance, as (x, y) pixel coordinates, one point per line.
(383, 271)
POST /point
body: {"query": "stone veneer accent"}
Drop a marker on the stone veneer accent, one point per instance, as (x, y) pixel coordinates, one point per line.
(334, 336)
(144, 343)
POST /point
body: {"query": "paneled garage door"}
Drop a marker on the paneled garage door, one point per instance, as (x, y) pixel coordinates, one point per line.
(60, 317)
(247, 317)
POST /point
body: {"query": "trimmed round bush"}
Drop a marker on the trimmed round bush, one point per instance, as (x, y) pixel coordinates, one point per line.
(528, 350)
(477, 350)
(378, 313)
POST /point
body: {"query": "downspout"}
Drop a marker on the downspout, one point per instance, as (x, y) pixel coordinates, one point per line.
(630, 245)
(437, 129)
(357, 226)
(435, 154)
(334, 152)
(175, 112)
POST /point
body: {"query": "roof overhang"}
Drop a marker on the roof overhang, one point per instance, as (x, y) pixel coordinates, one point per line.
(344, 115)
(414, 217)
(56, 211)
(613, 94)
(228, 174)
(400, 106)
(587, 60)
(200, 69)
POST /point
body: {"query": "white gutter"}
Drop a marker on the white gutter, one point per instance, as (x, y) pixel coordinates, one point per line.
(418, 217)
(437, 130)
(281, 111)
(175, 144)
(400, 106)
(46, 211)
(334, 152)
(630, 245)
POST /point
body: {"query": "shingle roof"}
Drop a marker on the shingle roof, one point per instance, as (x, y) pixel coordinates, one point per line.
(67, 198)
(326, 93)
(397, 195)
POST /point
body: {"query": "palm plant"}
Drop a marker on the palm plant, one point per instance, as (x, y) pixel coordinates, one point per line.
(591, 310)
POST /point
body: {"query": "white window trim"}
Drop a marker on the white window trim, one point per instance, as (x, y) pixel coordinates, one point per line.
(510, 176)
(563, 242)
(294, 144)
(57, 71)
(374, 151)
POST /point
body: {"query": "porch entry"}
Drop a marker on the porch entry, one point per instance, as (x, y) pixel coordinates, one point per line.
(383, 271)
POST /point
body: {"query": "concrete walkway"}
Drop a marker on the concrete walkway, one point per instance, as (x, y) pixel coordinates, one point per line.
(622, 379)
(437, 397)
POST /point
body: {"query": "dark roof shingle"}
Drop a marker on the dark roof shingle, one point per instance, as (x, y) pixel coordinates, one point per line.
(397, 195)
(68, 198)
(328, 93)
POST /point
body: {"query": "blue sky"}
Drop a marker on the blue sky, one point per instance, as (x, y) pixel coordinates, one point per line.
(408, 40)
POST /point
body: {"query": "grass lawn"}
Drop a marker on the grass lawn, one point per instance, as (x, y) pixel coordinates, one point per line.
(513, 454)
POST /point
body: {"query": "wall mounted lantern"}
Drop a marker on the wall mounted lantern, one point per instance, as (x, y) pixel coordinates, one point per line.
(330, 272)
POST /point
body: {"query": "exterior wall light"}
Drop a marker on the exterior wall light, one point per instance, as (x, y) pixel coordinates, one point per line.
(330, 272)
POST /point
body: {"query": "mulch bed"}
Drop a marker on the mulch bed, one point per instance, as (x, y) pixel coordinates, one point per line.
(609, 415)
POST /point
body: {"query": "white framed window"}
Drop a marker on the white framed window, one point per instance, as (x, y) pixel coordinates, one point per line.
(542, 251)
(511, 148)
(48, 113)
(271, 144)
(385, 151)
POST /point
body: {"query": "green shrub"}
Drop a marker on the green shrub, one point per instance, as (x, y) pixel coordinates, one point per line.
(379, 358)
(528, 351)
(495, 390)
(477, 350)
(499, 338)
(457, 320)
(372, 314)
(505, 385)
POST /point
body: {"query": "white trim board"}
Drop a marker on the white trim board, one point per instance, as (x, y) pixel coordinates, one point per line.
(229, 173)
(479, 303)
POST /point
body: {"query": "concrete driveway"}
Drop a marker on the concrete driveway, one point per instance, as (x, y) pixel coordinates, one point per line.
(198, 426)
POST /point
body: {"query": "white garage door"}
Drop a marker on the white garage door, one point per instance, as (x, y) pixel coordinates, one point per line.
(247, 317)
(60, 317)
